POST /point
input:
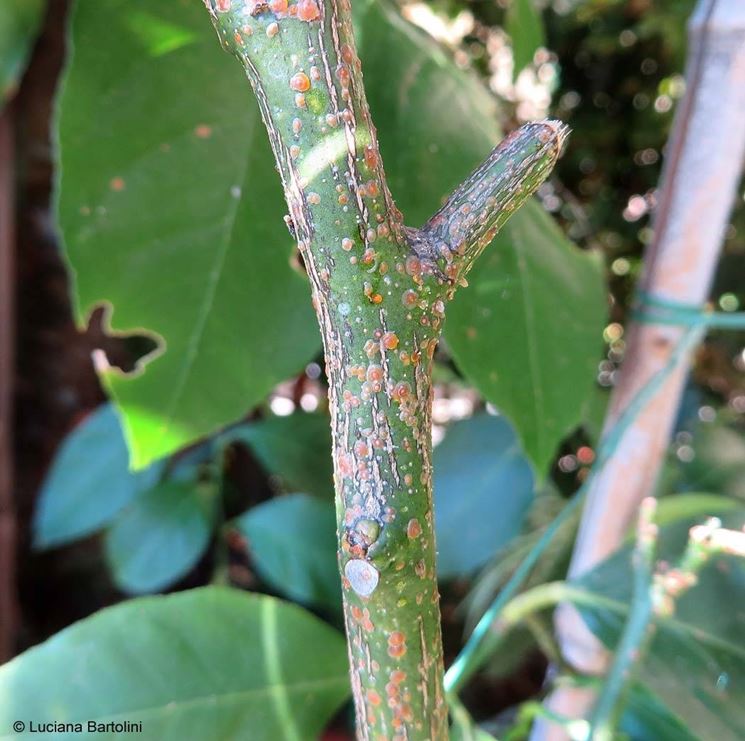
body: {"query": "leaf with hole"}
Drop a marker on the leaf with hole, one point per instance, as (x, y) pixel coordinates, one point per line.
(174, 221)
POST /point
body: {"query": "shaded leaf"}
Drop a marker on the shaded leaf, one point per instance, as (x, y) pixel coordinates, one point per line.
(20, 21)
(175, 220)
(159, 537)
(483, 487)
(297, 448)
(210, 663)
(524, 26)
(89, 481)
(293, 542)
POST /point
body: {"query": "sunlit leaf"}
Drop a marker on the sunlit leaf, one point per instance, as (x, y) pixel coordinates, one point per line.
(171, 215)
(524, 25)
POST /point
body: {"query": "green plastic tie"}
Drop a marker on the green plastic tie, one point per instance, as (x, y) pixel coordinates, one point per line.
(650, 309)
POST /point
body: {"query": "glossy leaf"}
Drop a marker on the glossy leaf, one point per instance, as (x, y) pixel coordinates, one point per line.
(292, 540)
(171, 213)
(159, 537)
(20, 21)
(211, 663)
(528, 330)
(524, 26)
(696, 663)
(483, 488)
(297, 448)
(89, 481)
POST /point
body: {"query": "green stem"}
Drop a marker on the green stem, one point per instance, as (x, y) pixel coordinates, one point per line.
(636, 631)
(481, 642)
(380, 291)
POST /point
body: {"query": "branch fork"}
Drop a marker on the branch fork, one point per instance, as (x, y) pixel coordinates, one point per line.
(380, 291)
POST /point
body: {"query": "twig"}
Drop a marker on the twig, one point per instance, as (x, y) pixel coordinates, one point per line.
(636, 630)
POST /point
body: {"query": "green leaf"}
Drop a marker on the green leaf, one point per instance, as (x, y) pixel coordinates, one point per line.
(689, 507)
(20, 21)
(696, 663)
(89, 482)
(159, 537)
(293, 542)
(297, 448)
(483, 489)
(528, 330)
(171, 213)
(648, 719)
(211, 663)
(524, 26)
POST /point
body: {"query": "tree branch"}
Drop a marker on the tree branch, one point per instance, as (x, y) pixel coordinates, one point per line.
(380, 296)
(478, 208)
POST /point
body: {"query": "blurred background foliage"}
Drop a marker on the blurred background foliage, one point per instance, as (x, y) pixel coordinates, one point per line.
(251, 505)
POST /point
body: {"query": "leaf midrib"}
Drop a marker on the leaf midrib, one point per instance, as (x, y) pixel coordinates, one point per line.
(196, 337)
